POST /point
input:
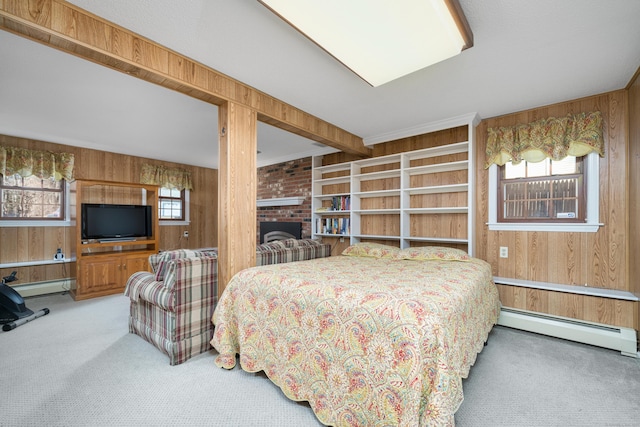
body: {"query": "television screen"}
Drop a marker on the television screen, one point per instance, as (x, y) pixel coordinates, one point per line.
(102, 221)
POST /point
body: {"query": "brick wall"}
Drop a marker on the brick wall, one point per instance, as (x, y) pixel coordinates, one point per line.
(288, 179)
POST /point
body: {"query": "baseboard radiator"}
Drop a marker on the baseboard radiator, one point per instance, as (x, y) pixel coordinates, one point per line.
(616, 338)
(43, 288)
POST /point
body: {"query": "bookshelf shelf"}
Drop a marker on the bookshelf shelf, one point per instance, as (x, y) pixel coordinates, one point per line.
(377, 211)
(419, 197)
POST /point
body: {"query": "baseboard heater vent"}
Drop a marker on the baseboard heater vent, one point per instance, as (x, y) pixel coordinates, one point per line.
(616, 338)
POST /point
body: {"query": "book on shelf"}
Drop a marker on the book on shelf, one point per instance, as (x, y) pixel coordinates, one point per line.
(333, 226)
(341, 203)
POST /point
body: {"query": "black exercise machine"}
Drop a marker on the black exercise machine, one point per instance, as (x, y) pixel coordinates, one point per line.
(13, 311)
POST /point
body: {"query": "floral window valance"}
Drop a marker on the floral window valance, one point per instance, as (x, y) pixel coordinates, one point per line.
(166, 177)
(43, 164)
(555, 138)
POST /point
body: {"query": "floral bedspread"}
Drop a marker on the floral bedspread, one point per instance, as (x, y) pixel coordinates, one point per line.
(366, 341)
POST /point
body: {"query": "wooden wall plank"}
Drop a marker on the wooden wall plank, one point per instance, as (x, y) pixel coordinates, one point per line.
(634, 190)
(599, 259)
(24, 244)
(592, 309)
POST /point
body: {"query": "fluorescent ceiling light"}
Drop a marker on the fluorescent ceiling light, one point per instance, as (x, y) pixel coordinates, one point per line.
(380, 40)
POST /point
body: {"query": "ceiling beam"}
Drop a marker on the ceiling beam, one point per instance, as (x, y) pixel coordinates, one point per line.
(66, 27)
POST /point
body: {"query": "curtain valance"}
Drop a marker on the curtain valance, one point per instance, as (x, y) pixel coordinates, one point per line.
(166, 177)
(555, 138)
(43, 164)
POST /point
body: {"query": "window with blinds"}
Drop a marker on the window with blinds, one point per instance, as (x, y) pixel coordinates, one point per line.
(547, 191)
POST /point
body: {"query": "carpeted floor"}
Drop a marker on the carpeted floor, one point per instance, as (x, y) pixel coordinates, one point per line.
(79, 366)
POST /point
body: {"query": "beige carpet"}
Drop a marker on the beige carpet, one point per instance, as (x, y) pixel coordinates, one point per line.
(79, 366)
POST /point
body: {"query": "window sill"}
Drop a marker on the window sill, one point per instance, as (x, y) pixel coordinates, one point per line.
(561, 228)
(162, 223)
(35, 223)
(572, 289)
(35, 263)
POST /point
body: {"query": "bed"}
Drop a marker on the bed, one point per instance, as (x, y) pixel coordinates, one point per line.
(375, 337)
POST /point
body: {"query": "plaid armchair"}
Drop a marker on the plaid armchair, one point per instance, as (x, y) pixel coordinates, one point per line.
(172, 307)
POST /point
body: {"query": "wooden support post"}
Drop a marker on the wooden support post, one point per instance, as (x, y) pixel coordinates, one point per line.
(237, 191)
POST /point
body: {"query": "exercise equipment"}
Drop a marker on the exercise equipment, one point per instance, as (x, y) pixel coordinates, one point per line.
(13, 311)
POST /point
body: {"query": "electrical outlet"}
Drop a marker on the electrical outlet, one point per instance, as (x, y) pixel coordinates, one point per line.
(185, 234)
(58, 256)
(504, 252)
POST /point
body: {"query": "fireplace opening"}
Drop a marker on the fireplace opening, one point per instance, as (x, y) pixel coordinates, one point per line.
(293, 228)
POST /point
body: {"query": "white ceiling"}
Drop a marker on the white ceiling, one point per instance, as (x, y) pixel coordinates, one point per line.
(526, 54)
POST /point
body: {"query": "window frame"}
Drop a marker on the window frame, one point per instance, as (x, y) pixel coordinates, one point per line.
(591, 185)
(185, 211)
(171, 199)
(581, 194)
(43, 222)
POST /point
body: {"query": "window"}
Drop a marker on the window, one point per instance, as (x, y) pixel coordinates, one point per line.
(546, 191)
(545, 196)
(31, 198)
(171, 204)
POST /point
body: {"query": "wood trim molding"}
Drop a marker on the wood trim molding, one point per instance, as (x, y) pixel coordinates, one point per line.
(64, 26)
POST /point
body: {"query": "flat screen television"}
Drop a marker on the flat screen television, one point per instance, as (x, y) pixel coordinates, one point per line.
(106, 221)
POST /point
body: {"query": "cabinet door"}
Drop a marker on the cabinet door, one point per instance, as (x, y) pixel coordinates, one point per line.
(132, 264)
(100, 276)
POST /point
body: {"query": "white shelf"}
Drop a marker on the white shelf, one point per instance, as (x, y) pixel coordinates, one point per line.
(400, 166)
(330, 213)
(35, 263)
(375, 236)
(442, 150)
(438, 189)
(392, 173)
(438, 167)
(379, 193)
(436, 239)
(431, 211)
(338, 167)
(336, 180)
(328, 196)
(377, 161)
(376, 211)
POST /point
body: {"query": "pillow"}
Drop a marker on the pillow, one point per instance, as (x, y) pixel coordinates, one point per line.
(373, 250)
(434, 252)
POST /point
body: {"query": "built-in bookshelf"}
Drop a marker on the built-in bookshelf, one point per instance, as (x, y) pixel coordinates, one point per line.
(413, 198)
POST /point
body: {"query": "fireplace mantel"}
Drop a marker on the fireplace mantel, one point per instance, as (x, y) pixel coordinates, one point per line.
(281, 201)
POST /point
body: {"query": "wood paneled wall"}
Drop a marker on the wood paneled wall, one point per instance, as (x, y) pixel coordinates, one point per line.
(599, 259)
(634, 189)
(31, 244)
(381, 225)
